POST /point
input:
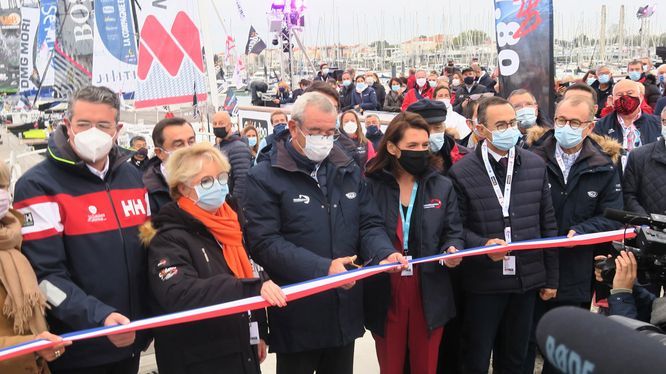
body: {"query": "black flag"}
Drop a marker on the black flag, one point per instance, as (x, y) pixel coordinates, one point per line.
(254, 43)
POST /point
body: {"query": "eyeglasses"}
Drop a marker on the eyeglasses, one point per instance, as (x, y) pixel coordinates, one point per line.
(207, 182)
(502, 126)
(335, 133)
(104, 126)
(573, 123)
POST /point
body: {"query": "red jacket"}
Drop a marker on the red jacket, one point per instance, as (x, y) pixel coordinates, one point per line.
(411, 97)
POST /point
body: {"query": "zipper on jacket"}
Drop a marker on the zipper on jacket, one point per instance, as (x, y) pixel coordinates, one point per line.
(122, 240)
(203, 250)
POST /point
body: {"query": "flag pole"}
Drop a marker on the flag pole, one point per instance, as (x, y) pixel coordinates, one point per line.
(208, 49)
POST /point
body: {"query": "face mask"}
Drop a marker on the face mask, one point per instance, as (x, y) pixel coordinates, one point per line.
(277, 129)
(93, 145)
(634, 75)
(346, 82)
(370, 81)
(432, 83)
(395, 87)
(507, 139)
(220, 132)
(590, 81)
(526, 117)
(252, 141)
(626, 104)
(350, 127)
(325, 71)
(421, 82)
(455, 82)
(568, 137)
(281, 89)
(663, 132)
(4, 203)
(360, 86)
(436, 141)
(414, 162)
(317, 147)
(604, 78)
(371, 130)
(469, 80)
(212, 198)
(662, 78)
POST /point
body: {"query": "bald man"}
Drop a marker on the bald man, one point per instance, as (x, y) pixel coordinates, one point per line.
(627, 123)
(238, 153)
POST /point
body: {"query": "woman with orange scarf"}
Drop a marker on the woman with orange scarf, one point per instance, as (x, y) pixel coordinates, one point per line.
(196, 258)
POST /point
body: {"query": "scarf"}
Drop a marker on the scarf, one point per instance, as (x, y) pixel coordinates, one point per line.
(24, 303)
(224, 226)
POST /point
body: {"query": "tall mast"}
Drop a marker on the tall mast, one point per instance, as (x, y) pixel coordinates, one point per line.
(621, 33)
(602, 35)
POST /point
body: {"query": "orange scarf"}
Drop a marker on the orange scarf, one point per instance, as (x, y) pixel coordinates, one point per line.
(224, 226)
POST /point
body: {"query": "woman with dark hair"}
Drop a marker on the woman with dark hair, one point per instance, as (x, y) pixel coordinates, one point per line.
(407, 311)
(364, 97)
(351, 126)
(590, 77)
(250, 133)
(394, 97)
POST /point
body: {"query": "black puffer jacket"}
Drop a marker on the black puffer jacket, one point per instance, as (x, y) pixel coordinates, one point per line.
(435, 226)
(187, 270)
(644, 181)
(158, 190)
(531, 214)
(240, 158)
(381, 94)
(593, 186)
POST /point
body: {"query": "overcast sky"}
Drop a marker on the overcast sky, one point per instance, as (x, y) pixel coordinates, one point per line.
(398, 20)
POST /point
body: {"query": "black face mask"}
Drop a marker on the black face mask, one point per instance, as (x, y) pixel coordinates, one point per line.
(414, 162)
(220, 132)
(469, 80)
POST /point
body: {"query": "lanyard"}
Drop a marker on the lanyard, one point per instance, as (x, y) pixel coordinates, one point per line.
(503, 199)
(406, 219)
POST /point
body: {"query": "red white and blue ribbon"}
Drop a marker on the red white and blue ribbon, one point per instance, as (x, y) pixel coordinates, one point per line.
(305, 289)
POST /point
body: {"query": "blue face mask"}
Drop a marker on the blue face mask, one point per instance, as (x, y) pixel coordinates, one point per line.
(252, 141)
(634, 75)
(507, 139)
(526, 117)
(277, 129)
(360, 86)
(604, 78)
(395, 87)
(346, 83)
(212, 198)
(590, 81)
(568, 137)
(436, 141)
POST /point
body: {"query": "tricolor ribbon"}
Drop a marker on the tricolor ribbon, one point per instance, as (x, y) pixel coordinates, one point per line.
(305, 289)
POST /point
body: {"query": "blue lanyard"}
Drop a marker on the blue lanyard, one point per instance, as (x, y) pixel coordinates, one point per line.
(406, 219)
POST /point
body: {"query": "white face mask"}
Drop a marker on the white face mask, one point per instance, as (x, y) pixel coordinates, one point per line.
(455, 82)
(93, 145)
(370, 81)
(447, 102)
(663, 131)
(317, 147)
(4, 203)
(421, 82)
(350, 127)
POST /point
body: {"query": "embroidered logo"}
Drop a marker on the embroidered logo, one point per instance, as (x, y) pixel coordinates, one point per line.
(305, 199)
(592, 194)
(351, 195)
(94, 216)
(434, 204)
(168, 273)
(28, 221)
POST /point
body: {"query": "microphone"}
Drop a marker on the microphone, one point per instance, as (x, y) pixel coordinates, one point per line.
(655, 220)
(576, 341)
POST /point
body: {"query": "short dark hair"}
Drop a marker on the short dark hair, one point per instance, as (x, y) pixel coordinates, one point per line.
(278, 113)
(304, 82)
(158, 130)
(635, 62)
(582, 87)
(468, 110)
(467, 70)
(95, 95)
(486, 103)
(136, 139)
(326, 89)
(439, 88)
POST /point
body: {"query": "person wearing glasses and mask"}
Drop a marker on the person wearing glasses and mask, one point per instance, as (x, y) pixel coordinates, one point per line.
(503, 196)
(169, 135)
(584, 180)
(196, 258)
(310, 214)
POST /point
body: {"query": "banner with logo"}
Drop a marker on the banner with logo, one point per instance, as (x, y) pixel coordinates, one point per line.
(10, 43)
(114, 53)
(38, 32)
(524, 32)
(72, 60)
(170, 54)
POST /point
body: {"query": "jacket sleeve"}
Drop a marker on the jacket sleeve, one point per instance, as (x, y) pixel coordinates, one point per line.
(44, 247)
(610, 197)
(471, 239)
(632, 184)
(240, 159)
(453, 234)
(375, 243)
(268, 247)
(372, 104)
(176, 285)
(409, 99)
(661, 103)
(635, 306)
(549, 229)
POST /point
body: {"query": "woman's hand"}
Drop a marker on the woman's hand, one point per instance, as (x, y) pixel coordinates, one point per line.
(272, 293)
(52, 353)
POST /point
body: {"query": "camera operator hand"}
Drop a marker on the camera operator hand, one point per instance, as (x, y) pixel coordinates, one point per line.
(625, 271)
(597, 271)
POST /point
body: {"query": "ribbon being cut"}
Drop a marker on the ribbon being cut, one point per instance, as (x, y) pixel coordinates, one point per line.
(305, 289)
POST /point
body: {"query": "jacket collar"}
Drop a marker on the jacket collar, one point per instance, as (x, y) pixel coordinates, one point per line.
(591, 155)
(232, 138)
(659, 152)
(479, 147)
(153, 178)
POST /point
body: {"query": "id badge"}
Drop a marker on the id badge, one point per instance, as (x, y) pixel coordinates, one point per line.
(410, 268)
(623, 160)
(254, 333)
(509, 265)
(507, 234)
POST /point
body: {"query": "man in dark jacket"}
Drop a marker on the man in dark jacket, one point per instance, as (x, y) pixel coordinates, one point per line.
(236, 151)
(486, 80)
(469, 88)
(324, 73)
(308, 214)
(585, 180)
(603, 86)
(302, 85)
(83, 206)
(373, 130)
(346, 92)
(501, 288)
(169, 135)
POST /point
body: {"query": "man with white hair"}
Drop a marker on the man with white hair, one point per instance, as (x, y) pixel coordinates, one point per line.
(309, 214)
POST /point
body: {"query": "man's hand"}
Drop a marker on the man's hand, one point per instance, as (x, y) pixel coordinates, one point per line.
(571, 234)
(625, 270)
(497, 256)
(547, 293)
(395, 257)
(338, 266)
(262, 351)
(119, 340)
(451, 262)
(272, 293)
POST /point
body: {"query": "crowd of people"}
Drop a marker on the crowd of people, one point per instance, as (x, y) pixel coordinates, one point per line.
(98, 235)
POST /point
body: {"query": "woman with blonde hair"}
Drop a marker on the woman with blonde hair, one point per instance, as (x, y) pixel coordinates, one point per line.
(351, 126)
(22, 312)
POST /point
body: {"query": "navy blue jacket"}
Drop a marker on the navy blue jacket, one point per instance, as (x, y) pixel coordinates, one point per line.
(593, 185)
(240, 158)
(81, 237)
(648, 125)
(644, 181)
(158, 190)
(367, 99)
(636, 305)
(294, 229)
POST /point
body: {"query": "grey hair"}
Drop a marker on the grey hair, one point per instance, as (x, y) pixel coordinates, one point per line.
(576, 100)
(95, 95)
(521, 91)
(373, 115)
(311, 99)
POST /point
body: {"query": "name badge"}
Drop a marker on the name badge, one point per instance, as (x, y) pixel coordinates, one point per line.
(509, 265)
(254, 333)
(623, 160)
(410, 268)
